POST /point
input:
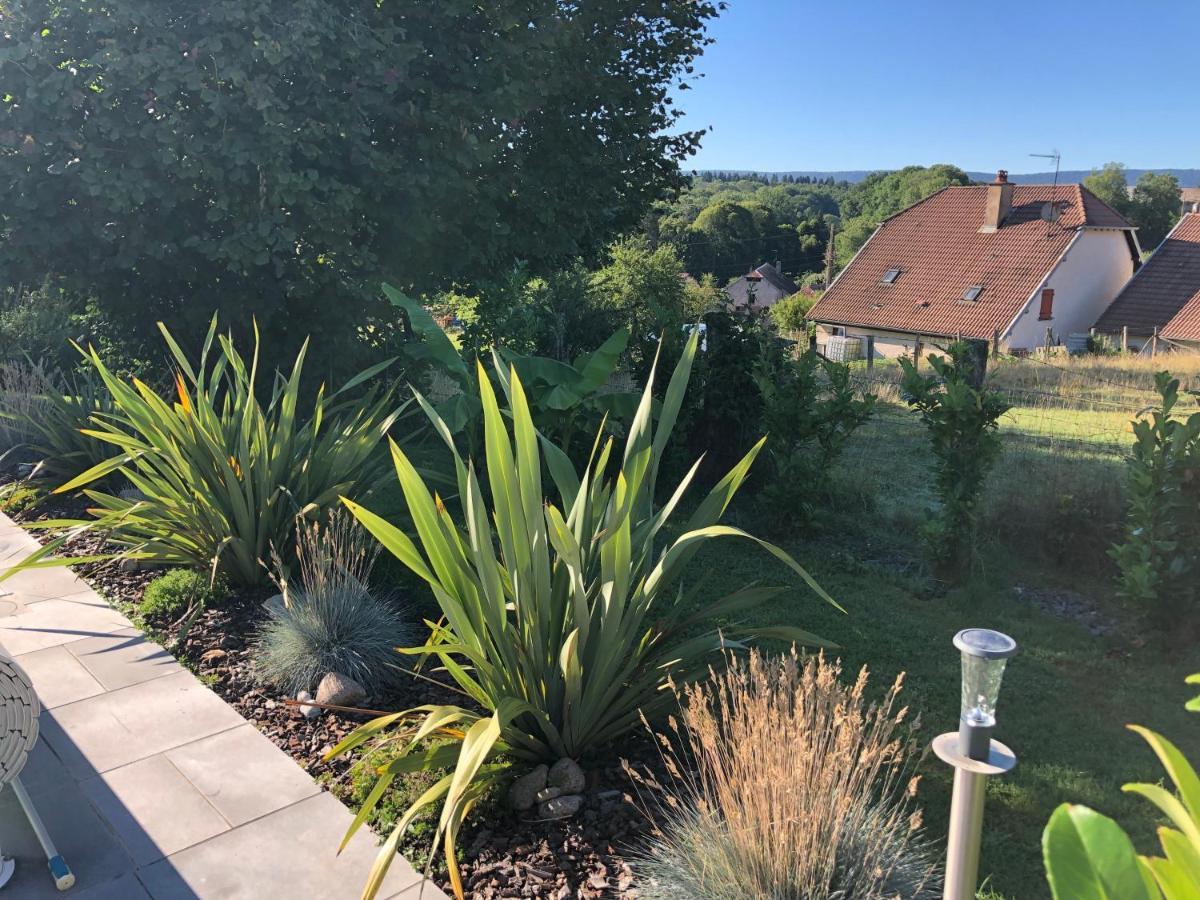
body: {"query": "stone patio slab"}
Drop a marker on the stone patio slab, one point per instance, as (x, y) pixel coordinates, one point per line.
(257, 784)
(44, 584)
(290, 853)
(132, 799)
(57, 621)
(123, 658)
(117, 728)
(59, 677)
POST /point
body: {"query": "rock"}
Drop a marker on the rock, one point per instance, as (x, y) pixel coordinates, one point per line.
(523, 792)
(560, 807)
(548, 794)
(309, 712)
(274, 604)
(213, 655)
(129, 565)
(337, 689)
(24, 470)
(567, 775)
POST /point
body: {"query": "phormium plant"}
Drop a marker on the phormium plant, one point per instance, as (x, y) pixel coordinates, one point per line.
(960, 413)
(564, 612)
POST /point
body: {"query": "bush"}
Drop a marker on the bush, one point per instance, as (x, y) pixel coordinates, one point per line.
(800, 789)
(221, 475)
(60, 426)
(171, 595)
(330, 621)
(573, 628)
(1160, 556)
(960, 414)
(810, 410)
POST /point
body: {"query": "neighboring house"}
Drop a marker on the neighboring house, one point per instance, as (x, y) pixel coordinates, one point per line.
(1189, 200)
(766, 285)
(998, 261)
(1164, 295)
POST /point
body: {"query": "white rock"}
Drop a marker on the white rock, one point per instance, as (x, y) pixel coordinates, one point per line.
(310, 712)
(337, 689)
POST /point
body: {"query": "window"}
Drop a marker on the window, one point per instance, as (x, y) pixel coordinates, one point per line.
(890, 276)
(838, 331)
(972, 293)
(1047, 311)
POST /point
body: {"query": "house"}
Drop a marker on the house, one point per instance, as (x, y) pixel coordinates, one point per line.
(1189, 200)
(760, 288)
(1163, 298)
(1010, 263)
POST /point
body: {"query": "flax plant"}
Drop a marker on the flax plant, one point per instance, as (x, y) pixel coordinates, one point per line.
(564, 612)
(789, 786)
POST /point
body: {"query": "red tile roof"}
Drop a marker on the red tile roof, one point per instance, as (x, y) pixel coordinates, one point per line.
(1165, 292)
(940, 251)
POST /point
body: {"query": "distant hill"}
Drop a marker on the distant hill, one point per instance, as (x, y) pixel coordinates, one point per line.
(1187, 177)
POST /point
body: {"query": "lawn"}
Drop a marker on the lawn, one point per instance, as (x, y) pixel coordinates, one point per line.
(1070, 691)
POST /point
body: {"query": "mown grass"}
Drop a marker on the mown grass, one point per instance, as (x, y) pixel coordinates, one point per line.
(1053, 505)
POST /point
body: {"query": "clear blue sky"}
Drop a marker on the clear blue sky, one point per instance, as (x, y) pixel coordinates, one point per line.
(871, 84)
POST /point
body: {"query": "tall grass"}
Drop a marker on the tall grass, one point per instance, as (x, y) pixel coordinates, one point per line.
(796, 787)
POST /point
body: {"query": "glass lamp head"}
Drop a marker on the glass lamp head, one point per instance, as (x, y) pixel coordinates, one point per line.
(984, 656)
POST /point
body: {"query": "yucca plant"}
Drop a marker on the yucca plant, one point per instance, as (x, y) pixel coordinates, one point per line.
(564, 617)
(220, 476)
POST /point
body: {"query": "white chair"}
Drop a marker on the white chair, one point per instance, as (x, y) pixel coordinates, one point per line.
(19, 711)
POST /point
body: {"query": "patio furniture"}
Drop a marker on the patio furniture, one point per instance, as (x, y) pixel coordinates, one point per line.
(19, 711)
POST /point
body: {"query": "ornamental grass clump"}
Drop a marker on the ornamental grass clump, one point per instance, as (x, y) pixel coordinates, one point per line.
(788, 785)
(565, 611)
(222, 475)
(329, 619)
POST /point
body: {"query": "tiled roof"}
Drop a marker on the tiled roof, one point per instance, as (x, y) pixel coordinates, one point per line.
(773, 288)
(938, 248)
(1166, 290)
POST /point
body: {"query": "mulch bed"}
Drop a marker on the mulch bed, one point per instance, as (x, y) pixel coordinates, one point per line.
(507, 854)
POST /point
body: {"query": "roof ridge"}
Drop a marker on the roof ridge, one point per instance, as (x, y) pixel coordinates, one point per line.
(1084, 189)
(922, 200)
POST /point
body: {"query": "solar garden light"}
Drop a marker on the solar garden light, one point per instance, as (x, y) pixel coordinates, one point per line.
(973, 753)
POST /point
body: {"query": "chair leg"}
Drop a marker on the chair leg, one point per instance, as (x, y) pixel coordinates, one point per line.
(64, 878)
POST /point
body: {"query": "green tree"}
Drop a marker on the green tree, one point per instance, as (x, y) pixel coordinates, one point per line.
(1156, 207)
(1111, 185)
(278, 158)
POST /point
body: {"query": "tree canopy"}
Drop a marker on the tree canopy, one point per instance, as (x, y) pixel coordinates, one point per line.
(281, 157)
(1153, 205)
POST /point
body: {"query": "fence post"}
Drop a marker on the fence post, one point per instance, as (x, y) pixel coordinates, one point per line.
(996, 342)
(1154, 343)
(870, 351)
(1124, 338)
(917, 350)
(976, 360)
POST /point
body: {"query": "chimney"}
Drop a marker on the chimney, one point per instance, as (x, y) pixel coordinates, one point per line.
(999, 202)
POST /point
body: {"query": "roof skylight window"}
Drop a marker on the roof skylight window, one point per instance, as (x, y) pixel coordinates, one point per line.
(890, 276)
(972, 293)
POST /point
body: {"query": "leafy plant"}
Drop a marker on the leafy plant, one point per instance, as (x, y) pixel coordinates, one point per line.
(1089, 857)
(811, 409)
(59, 426)
(331, 620)
(788, 784)
(960, 413)
(1159, 559)
(567, 633)
(170, 596)
(222, 476)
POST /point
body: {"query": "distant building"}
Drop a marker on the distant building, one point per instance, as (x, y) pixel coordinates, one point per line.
(998, 261)
(1164, 295)
(1189, 200)
(763, 287)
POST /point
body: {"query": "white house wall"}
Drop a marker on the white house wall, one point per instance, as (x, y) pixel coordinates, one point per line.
(1086, 281)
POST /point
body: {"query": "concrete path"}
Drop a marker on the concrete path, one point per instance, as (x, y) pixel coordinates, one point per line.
(150, 784)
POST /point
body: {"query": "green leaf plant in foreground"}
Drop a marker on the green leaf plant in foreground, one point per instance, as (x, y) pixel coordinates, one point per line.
(1089, 857)
(219, 477)
(563, 614)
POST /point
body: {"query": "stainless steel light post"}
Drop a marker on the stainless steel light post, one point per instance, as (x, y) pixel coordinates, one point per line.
(973, 753)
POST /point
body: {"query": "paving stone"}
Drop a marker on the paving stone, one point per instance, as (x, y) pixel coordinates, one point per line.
(45, 584)
(43, 772)
(113, 729)
(58, 677)
(154, 810)
(54, 622)
(127, 887)
(123, 658)
(85, 842)
(243, 774)
(290, 853)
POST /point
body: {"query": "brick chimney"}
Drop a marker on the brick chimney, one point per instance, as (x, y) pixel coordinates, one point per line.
(999, 202)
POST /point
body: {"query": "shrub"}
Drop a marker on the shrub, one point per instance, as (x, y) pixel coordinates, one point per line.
(810, 410)
(1160, 556)
(573, 628)
(171, 595)
(799, 789)
(60, 426)
(221, 475)
(1088, 855)
(960, 413)
(330, 621)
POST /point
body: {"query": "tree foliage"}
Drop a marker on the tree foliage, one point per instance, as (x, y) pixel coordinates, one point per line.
(280, 158)
(1153, 204)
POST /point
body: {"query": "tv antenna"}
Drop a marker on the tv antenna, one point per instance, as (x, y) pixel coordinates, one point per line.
(1054, 211)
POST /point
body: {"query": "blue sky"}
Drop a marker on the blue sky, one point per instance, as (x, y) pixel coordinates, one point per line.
(869, 84)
